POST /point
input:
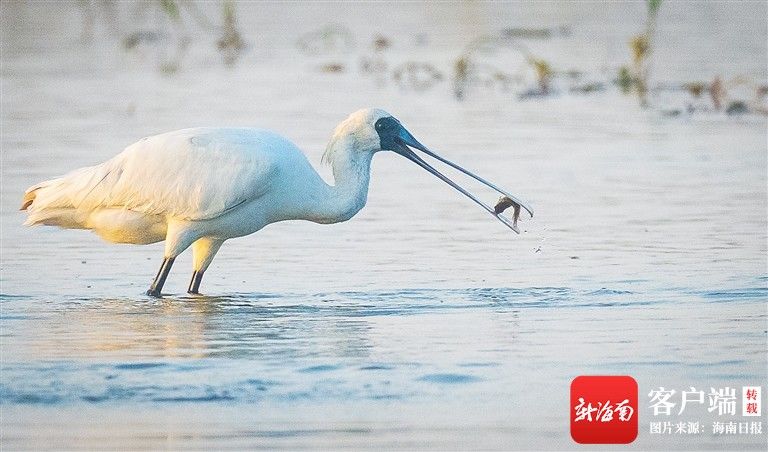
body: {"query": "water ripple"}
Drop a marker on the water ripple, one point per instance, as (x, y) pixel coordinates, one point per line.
(448, 378)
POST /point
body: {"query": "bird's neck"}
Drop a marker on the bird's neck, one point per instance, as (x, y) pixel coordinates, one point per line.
(351, 174)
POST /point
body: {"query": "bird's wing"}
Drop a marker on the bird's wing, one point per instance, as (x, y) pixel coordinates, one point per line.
(192, 174)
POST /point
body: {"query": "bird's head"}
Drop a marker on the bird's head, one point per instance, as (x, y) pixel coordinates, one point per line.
(357, 134)
(371, 130)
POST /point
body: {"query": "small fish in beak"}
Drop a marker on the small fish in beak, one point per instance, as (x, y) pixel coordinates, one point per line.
(505, 203)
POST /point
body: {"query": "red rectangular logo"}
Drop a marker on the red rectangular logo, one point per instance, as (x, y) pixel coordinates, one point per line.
(603, 409)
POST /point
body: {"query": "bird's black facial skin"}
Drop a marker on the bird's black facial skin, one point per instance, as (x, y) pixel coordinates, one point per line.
(388, 129)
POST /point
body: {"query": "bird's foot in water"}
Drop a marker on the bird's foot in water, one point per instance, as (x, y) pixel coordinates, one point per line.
(154, 293)
(194, 284)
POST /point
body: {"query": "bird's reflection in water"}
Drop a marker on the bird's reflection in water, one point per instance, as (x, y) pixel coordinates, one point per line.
(258, 326)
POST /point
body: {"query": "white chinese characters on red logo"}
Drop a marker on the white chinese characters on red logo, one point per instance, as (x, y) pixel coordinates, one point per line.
(604, 411)
(721, 401)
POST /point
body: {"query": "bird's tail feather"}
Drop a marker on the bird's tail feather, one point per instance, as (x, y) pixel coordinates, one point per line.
(29, 197)
(51, 203)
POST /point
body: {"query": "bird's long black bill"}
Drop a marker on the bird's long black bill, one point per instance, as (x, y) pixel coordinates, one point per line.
(479, 179)
(406, 139)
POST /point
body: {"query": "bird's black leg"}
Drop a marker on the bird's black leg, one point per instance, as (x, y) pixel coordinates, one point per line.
(194, 284)
(162, 274)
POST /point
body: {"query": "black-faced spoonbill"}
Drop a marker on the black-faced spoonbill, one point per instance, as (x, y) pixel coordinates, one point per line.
(199, 187)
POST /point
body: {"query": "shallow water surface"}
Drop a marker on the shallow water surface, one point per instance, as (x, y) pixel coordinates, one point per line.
(380, 369)
(421, 323)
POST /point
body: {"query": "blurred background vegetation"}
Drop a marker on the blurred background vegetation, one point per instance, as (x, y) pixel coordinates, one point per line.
(505, 60)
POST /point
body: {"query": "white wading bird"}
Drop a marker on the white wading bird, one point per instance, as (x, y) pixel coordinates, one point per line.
(202, 186)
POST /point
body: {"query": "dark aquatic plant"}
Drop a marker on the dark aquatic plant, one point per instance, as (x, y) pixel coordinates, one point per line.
(171, 9)
(375, 62)
(625, 80)
(417, 76)
(172, 28)
(231, 43)
(641, 46)
(695, 89)
(468, 72)
(544, 73)
(332, 39)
